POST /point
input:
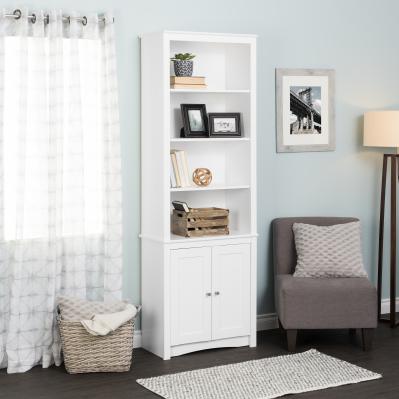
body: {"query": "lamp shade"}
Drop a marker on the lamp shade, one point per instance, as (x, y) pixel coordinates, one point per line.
(381, 129)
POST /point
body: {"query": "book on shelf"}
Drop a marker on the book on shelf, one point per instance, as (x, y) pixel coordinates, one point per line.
(185, 168)
(180, 175)
(175, 170)
(187, 86)
(187, 80)
(173, 180)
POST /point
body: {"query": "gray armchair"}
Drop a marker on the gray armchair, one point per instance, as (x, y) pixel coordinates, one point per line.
(318, 303)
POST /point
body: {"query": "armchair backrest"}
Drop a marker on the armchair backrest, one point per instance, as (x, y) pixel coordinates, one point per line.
(284, 253)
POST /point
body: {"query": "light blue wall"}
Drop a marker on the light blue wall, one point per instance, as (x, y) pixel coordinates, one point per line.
(357, 38)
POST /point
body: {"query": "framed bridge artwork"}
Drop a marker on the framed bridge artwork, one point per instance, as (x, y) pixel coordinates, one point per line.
(305, 110)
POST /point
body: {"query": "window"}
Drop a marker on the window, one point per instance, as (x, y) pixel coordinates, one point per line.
(52, 144)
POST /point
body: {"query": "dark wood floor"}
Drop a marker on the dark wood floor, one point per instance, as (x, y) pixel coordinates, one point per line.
(56, 383)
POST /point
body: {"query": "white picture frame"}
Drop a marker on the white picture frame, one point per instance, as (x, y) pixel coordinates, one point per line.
(305, 110)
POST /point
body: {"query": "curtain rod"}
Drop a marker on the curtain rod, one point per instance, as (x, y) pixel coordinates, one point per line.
(17, 14)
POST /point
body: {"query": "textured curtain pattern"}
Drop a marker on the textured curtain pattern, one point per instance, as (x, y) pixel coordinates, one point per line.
(60, 178)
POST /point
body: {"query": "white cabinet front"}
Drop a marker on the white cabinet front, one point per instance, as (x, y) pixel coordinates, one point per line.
(231, 291)
(210, 293)
(191, 300)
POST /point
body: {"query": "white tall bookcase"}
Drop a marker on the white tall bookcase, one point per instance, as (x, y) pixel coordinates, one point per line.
(198, 293)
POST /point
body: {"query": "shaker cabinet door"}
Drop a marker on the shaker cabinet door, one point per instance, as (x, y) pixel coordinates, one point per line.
(191, 295)
(231, 291)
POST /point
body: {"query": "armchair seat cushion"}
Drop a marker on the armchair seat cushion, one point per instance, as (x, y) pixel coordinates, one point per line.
(326, 303)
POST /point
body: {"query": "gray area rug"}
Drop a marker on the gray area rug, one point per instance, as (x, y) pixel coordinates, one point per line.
(260, 379)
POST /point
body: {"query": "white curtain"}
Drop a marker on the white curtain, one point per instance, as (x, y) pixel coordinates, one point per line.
(60, 177)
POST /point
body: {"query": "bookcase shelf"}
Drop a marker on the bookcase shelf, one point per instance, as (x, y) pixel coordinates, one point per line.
(220, 157)
(178, 271)
(217, 101)
(211, 91)
(209, 140)
(208, 188)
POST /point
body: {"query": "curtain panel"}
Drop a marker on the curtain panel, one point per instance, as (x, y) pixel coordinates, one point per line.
(60, 176)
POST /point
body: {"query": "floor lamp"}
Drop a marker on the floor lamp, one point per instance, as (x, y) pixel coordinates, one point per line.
(381, 129)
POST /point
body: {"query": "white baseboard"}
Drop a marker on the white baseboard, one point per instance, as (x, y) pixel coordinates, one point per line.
(267, 321)
(137, 339)
(385, 305)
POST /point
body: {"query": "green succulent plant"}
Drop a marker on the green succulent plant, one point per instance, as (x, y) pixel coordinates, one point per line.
(183, 57)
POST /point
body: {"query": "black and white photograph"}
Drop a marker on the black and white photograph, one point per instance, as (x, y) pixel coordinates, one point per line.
(305, 110)
(195, 120)
(224, 124)
(305, 107)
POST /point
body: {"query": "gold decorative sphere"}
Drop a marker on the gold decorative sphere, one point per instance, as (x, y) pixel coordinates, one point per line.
(202, 177)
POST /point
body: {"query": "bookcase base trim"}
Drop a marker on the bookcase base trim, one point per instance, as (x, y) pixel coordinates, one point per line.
(219, 343)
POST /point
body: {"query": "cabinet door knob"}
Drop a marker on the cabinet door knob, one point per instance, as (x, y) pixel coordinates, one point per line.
(217, 293)
(208, 294)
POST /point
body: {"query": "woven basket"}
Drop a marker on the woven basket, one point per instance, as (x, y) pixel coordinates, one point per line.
(86, 353)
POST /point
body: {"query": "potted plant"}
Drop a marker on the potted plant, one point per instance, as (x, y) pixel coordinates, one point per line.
(183, 64)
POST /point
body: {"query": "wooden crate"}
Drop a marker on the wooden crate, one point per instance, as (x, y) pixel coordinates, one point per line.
(200, 222)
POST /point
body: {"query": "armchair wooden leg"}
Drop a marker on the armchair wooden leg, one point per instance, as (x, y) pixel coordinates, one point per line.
(280, 326)
(291, 339)
(367, 338)
(352, 331)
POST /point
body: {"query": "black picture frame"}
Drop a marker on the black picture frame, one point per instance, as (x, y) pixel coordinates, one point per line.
(190, 115)
(215, 131)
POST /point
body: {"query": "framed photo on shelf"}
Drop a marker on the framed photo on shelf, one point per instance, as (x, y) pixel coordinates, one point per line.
(305, 107)
(223, 124)
(195, 120)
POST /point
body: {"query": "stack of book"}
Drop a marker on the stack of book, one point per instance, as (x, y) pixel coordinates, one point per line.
(179, 174)
(187, 82)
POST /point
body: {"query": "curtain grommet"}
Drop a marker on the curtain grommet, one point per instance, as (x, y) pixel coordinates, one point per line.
(17, 13)
(108, 20)
(84, 20)
(33, 18)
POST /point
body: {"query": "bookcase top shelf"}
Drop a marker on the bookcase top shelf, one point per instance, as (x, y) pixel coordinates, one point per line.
(207, 37)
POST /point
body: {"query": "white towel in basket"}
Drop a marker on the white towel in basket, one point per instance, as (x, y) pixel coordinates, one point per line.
(103, 324)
